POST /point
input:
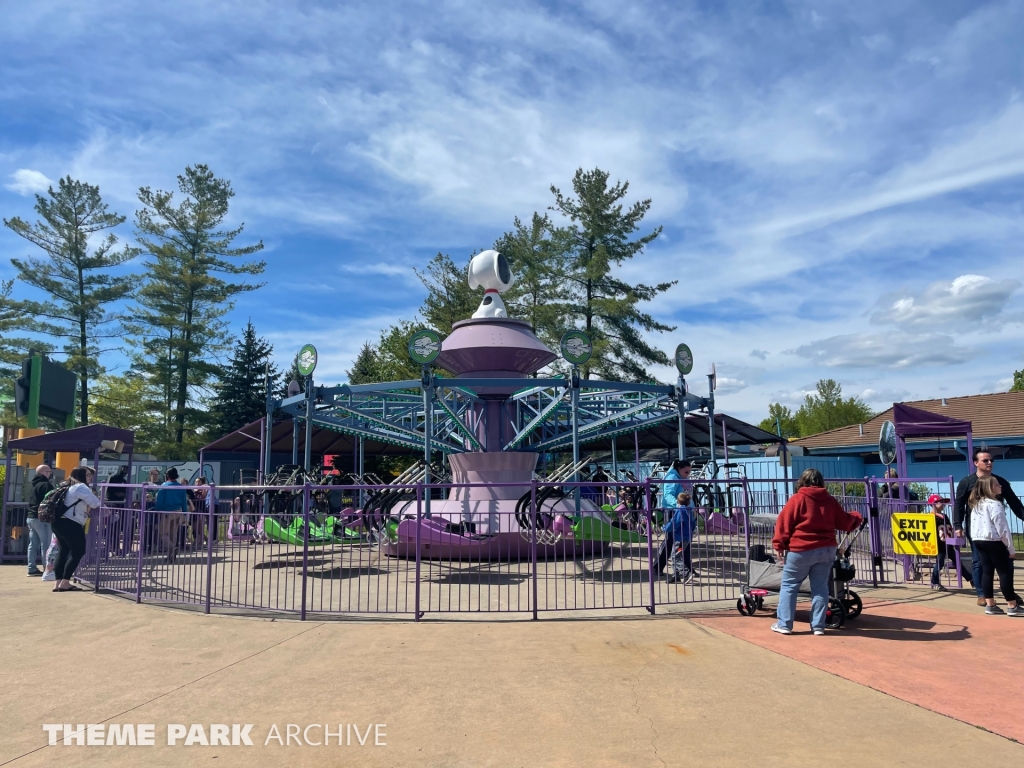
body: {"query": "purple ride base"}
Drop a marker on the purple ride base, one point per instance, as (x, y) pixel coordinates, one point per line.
(491, 510)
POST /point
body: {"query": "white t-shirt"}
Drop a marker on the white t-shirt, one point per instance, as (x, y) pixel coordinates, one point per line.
(79, 500)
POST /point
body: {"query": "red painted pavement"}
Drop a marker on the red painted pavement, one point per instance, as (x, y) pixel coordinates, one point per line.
(964, 665)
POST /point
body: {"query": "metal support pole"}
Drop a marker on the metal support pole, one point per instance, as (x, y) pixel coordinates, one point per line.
(8, 487)
(428, 408)
(533, 542)
(419, 518)
(305, 539)
(142, 546)
(576, 433)
(636, 447)
(711, 428)
(650, 537)
(615, 465)
(307, 458)
(681, 407)
(211, 502)
(362, 457)
(725, 441)
(295, 440)
(871, 496)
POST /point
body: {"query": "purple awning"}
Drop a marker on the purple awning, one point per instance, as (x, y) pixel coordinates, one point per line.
(914, 422)
(81, 440)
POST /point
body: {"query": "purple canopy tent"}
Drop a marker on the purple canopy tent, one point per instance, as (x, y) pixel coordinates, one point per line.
(81, 440)
(914, 422)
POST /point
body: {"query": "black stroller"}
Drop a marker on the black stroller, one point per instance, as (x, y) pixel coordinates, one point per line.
(764, 577)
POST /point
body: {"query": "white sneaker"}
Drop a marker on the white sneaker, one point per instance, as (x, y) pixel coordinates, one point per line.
(49, 576)
(776, 627)
(819, 631)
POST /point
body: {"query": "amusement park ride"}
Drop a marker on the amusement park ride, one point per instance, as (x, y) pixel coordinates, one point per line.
(492, 422)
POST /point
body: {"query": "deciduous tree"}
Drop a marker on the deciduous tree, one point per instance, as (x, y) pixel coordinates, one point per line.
(826, 409)
(781, 418)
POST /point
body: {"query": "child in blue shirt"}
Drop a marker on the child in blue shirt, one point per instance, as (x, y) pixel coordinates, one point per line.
(680, 528)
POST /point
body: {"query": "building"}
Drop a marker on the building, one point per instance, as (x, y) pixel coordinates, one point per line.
(997, 423)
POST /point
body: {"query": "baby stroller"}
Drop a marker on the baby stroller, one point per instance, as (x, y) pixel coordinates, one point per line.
(765, 577)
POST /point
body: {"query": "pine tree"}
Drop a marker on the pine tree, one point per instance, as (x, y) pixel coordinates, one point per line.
(242, 390)
(449, 297)
(14, 321)
(365, 368)
(76, 277)
(292, 374)
(538, 294)
(178, 324)
(596, 240)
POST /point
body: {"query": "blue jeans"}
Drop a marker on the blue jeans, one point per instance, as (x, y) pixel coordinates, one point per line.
(976, 571)
(38, 540)
(816, 563)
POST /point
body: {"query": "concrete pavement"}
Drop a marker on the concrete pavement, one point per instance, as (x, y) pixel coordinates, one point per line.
(605, 690)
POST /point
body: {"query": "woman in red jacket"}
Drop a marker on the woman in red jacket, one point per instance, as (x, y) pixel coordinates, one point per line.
(805, 538)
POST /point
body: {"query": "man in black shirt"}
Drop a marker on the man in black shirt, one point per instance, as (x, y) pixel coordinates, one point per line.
(962, 515)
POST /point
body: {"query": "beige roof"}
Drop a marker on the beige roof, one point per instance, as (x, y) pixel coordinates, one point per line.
(991, 416)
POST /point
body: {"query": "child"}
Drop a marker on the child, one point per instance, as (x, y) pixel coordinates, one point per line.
(946, 551)
(680, 529)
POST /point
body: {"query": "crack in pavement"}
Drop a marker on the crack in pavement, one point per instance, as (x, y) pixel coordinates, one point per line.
(180, 687)
(636, 704)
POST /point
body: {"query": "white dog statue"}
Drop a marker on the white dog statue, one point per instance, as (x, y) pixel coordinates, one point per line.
(490, 270)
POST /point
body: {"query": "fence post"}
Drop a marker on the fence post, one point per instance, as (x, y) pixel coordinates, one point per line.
(650, 538)
(97, 546)
(419, 517)
(746, 531)
(533, 541)
(305, 541)
(870, 493)
(142, 545)
(211, 496)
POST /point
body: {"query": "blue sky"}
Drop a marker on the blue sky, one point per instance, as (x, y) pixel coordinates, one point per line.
(841, 184)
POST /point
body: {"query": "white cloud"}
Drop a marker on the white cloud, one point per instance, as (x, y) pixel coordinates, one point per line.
(760, 354)
(26, 181)
(965, 302)
(886, 350)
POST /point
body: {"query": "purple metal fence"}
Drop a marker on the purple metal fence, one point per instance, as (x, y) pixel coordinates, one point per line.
(297, 552)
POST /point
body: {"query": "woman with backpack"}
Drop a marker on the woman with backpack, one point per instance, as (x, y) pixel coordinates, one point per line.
(69, 527)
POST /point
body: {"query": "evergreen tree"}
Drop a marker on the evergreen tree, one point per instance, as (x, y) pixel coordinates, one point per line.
(596, 240)
(393, 353)
(242, 390)
(449, 297)
(76, 277)
(365, 368)
(781, 418)
(537, 259)
(826, 409)
(14, 320)
(291, 375)
(178, 324)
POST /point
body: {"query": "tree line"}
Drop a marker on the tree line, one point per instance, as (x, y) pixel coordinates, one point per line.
(820, 411)
(566, 277)
(182, 386)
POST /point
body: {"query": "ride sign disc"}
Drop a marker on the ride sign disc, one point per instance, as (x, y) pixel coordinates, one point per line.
(684, 360)
(307, 360)
(576, 347)
(424, 346)
(887, 443)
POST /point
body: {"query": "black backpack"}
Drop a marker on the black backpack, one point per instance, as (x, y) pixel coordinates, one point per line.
(53, 504)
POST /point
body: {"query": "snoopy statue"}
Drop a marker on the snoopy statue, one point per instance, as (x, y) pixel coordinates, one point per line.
(489, 270)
